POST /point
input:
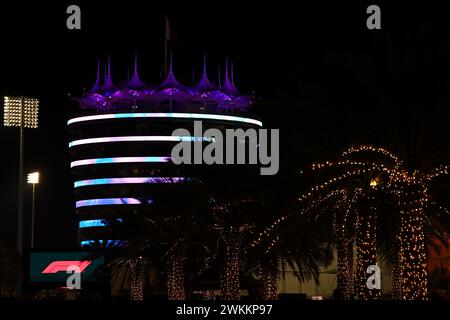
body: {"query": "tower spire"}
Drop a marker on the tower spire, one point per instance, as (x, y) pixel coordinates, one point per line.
(135, 81)
(108, 85)
(204, 84)
(227, 86)
(170, 80)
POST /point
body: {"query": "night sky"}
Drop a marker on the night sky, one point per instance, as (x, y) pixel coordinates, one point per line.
(320, 76)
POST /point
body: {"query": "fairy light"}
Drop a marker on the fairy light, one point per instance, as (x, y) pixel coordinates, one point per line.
(412, 256)
(368, 148)
(366, 252)
(340, 232)
(137, 279)
(396, 276)
(412, 192)
(175, 278)
(439, 171)
(345, 273)
(269, 277)
(230, 284)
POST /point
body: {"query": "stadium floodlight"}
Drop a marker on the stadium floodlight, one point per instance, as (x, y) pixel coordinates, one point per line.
(33, 178)
(22, 112)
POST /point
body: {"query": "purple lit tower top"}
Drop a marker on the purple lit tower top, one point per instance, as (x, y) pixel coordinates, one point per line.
(170, 95)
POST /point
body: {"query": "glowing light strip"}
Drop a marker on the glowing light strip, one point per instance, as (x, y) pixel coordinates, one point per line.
(109, 243)
(131, 180)
(165, 115)
(96, 223)
(118, 160)
(107, 201)
(138, 139)
(92, 223)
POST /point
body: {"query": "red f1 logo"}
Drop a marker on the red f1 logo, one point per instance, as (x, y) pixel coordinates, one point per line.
(57, 266)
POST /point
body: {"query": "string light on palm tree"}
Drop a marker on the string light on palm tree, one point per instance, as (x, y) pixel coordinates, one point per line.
(137, 272)
(175, 277)
(411, 189)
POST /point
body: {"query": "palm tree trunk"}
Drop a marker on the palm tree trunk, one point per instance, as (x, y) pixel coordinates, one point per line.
(396, 280)
(137, 280)
(412, 257)
(175, 279)
(344, 251)
(366, 253)
(349, 292)
(230, 284)
(344, 262)
(344, 269)
(269, 276)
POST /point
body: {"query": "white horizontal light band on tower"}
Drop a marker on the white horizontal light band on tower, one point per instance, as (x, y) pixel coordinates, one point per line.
(130, 180)
(118, 160)
(199, 116)
(107, 202)
(138, 139)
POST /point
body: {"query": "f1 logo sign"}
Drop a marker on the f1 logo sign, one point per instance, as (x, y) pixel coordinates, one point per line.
(57, 266)
(74, 268)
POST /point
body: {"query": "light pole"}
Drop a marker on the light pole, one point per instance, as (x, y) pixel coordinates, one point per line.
(33, 179)
(23, 113)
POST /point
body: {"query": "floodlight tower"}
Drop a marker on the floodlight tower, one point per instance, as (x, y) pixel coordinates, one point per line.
(21, 112)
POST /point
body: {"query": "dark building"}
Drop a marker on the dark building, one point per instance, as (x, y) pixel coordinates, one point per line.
(121, 142)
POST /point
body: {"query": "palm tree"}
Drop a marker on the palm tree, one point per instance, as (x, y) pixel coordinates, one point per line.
(229, 280)
(187, 242)
(145, 247)
(410, 188)
(348, 226)
(135, 268)
(269, 275)
(410, 185)
(232, 227)
(363, 176)
(175, 276)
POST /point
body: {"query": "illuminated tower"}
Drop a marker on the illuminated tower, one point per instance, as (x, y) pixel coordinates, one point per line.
(121, 144)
